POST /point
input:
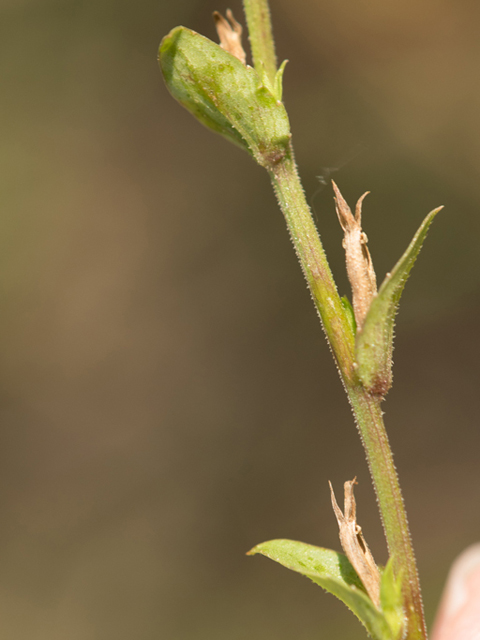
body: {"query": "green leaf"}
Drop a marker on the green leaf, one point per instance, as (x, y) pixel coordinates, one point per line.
(374, 341)
(332, 571)
(225, 95)
(391, 600)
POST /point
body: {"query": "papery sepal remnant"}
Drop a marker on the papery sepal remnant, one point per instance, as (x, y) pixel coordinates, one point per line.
(230, 34)
(359, 263)
(353, 543)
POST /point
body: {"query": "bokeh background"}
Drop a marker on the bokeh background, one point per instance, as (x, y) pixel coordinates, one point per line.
(167, 397)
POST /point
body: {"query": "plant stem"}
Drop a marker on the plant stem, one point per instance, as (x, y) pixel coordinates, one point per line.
(369, 419)
(366, 408)
(313, 261)
(260, 34)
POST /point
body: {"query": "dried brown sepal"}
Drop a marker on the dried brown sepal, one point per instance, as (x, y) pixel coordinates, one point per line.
(230, 34)
(359, 263)
(354, 545)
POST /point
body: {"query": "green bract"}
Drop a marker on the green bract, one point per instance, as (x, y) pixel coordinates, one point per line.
(391, 600)
(374, 342)
(349, 314)
(333, 571)
(225, 95)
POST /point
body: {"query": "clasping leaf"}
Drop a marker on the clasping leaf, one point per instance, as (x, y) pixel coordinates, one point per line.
(374, 340)
(333, 571)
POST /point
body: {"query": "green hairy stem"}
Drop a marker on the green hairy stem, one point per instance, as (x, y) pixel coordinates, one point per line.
(366, 408)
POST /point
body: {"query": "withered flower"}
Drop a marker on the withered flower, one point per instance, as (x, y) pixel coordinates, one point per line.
(230, 34)
(359, 263)
(354, 545)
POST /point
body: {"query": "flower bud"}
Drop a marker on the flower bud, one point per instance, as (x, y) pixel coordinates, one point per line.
(225, 95)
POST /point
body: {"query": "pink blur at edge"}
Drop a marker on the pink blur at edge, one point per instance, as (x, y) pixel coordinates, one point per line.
(458, 617)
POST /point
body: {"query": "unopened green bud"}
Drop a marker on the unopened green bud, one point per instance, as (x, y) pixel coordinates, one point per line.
(225, 95)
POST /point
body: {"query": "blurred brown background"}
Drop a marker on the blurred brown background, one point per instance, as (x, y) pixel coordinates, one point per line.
(167, 397)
